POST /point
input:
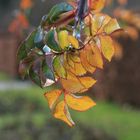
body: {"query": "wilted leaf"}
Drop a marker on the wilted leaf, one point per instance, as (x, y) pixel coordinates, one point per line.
(61, 112)
(52, 97)
(107, 47)
(79, 103)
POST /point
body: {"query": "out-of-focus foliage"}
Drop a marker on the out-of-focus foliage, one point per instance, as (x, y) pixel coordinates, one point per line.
(128, 19)
(21, 23)
(32, 120)
(72, 40)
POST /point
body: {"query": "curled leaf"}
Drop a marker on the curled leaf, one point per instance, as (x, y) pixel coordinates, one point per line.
(61, 112)
(52, 97)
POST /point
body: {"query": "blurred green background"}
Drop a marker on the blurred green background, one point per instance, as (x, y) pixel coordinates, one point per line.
(24, 113)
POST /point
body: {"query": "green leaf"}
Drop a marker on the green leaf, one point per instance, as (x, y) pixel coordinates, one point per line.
(43, 20)
(38, 39)
(47, 71)
(46, 74)
(25, 64)
(59, 66)
(22, 53)
(26, 46)
(50, 40)
(30, 41)
(34, 72)
(57, 10)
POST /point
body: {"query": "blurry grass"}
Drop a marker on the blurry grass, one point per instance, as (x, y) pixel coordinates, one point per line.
(4, 77)
(21, 106)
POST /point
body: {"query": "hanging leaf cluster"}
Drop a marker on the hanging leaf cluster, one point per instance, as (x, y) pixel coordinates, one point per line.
(71, 41)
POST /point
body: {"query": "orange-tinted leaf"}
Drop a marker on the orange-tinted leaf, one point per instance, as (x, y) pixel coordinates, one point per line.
(87, 82)
(96, 5)
(75, 57)
(61, 112)
(85, 63)
(111, 26)
(73, 64)
(107, 47)
(79, 103)
(79, 69)
(72, 83)
(98, 22)
(52, 97)
(94, 56)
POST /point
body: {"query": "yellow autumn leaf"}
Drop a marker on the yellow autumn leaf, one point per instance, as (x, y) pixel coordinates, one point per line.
(75, 57)
(74, 65)
(63, 39)
(79, 103)
(107, 47)
(87, 82)
(111, 26)
(72, 83)
(52, 97)
(61, 112)
(98, 21)
(94, 56)
(73, 41)
(96, 5)
(84, 61)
